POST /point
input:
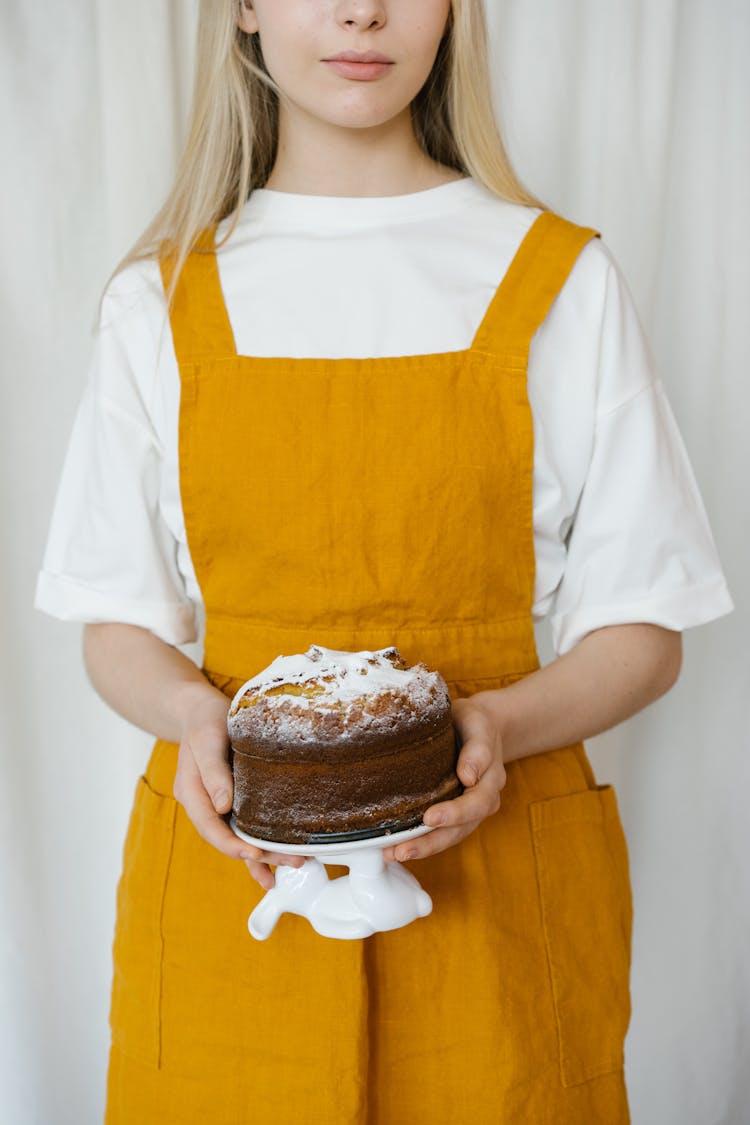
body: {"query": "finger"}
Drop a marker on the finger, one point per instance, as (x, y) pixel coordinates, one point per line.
(474, 804)
(434, 842)
(276, 858)
(189, 791)
(473, 761)
(262, 873)
(209, 747)
(389, 853)
(460, 823)
(260, 870)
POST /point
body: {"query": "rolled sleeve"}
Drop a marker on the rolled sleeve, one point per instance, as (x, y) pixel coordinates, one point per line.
(640, 548)
(70, 601)
(621, 534)
(110, 555)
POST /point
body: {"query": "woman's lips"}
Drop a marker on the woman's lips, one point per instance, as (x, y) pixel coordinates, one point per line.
(364, 71)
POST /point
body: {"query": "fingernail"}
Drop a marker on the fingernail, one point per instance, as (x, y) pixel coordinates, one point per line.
(410, 854)
(248, 855)
(221, 798)
(436, 819)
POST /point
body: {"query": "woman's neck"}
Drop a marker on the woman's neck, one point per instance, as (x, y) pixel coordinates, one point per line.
(315, 158)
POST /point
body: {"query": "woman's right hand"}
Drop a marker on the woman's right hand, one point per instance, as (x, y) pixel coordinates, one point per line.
(203, 782)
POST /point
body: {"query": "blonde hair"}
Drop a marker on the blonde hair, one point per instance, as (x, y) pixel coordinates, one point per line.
(233, 136)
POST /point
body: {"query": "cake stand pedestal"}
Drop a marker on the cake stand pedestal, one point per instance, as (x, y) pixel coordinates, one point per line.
(373, 897)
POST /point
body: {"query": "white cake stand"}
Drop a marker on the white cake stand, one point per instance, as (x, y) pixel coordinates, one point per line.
(373, 897)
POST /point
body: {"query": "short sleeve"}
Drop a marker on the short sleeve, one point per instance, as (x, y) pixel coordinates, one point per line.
(110, 554)
(638, 546)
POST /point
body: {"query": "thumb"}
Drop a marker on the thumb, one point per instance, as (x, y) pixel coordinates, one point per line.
(209, 747)
(473, 762)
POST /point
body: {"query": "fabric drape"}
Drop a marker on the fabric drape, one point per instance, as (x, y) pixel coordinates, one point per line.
(631, 118)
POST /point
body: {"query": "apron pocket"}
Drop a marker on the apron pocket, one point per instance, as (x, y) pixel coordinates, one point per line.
(138, 944)
(584, 889)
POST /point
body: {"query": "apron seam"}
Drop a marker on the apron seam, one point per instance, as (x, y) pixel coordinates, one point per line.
(448, 625)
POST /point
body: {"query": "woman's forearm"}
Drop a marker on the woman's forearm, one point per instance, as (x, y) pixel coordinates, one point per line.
(145, 680)
(609, 676)
(160, 690)
(612, 674)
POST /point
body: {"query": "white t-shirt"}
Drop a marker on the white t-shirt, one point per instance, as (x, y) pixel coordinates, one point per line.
(620, 532)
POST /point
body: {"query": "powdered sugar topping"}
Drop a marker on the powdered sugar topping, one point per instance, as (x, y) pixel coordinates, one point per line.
(340, 676)
(328, 696)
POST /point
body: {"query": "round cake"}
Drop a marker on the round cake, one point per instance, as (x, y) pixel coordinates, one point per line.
(330, 744)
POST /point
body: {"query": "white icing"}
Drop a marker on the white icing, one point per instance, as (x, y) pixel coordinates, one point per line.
(351, 674)
(345, 703)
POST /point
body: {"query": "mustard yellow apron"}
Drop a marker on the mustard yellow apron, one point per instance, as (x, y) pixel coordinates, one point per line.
(360, 503)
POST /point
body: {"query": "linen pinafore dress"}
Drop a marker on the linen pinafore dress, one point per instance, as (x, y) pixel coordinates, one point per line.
(355, 504)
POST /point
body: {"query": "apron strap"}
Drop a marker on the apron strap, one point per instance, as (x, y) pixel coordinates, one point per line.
(535, 276)
(198, 316)
(542, 263)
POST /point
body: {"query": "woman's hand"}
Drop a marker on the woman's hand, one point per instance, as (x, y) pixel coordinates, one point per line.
(203, 782)
(157, 687)
(481, 771)
(611, 674)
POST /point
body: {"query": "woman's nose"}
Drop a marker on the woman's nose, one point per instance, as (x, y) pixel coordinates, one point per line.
(362, 14)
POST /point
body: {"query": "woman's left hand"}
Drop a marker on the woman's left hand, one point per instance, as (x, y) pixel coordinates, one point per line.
(481, 771)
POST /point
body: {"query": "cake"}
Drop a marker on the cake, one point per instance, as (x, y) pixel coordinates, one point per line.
(331, 744)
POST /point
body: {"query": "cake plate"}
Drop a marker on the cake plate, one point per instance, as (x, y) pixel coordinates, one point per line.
(374, 896)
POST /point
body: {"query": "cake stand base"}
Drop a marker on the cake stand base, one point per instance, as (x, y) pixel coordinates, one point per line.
(374, 896)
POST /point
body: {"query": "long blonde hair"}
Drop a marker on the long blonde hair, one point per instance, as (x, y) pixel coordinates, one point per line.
(233, 136)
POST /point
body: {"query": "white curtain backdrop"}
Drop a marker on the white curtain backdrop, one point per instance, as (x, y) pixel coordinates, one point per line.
(633, 117)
